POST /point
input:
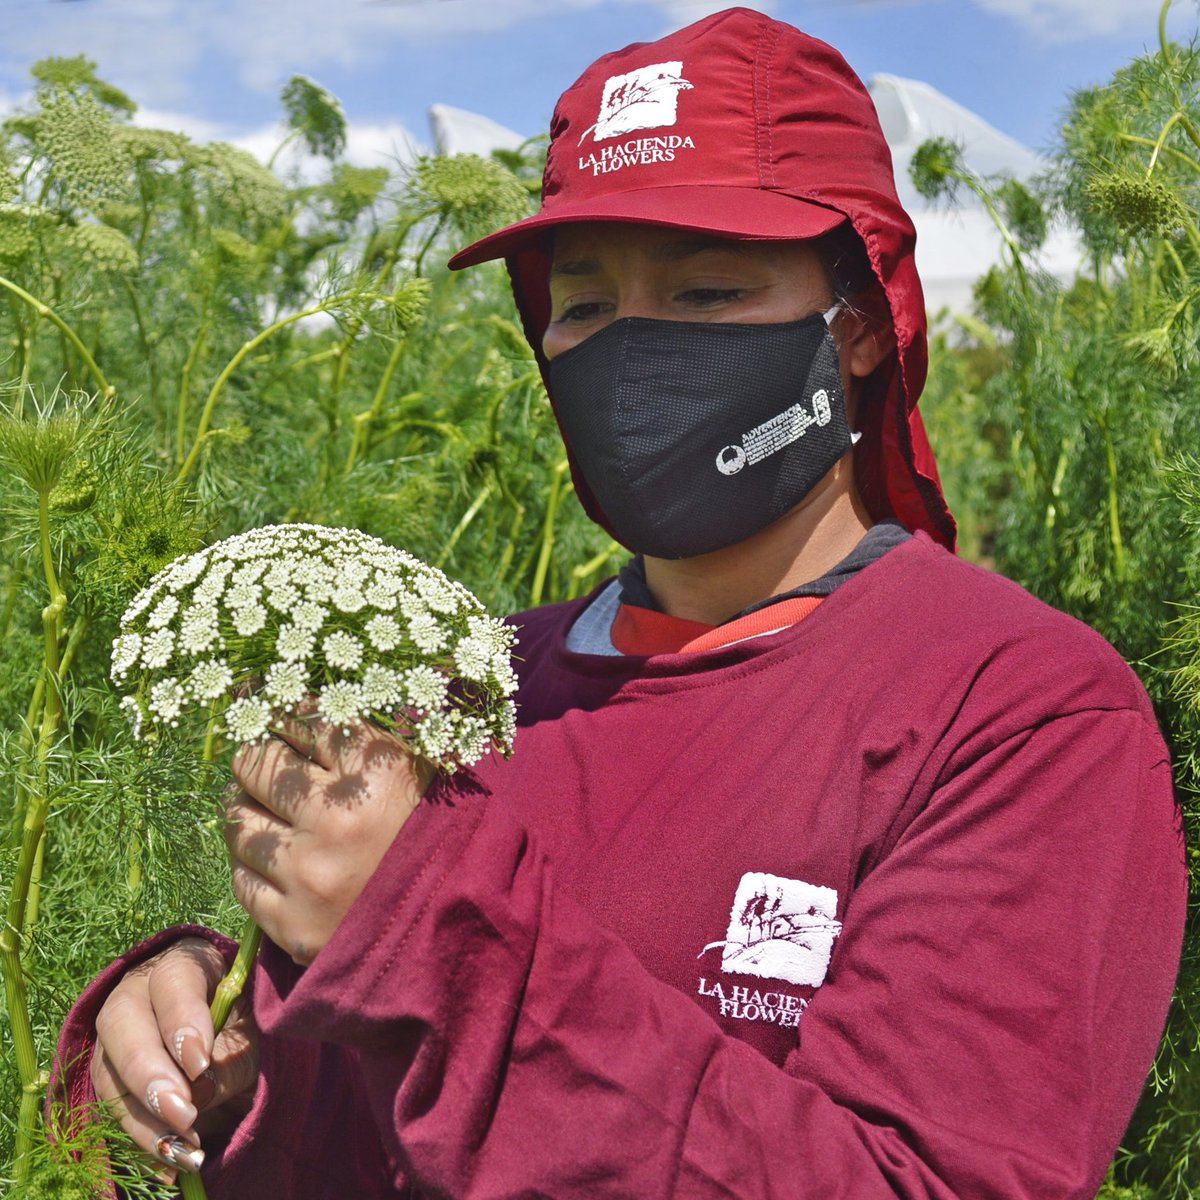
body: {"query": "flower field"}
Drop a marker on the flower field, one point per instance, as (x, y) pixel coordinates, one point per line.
(192, 347)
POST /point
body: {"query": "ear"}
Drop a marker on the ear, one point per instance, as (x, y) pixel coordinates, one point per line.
(864, 333)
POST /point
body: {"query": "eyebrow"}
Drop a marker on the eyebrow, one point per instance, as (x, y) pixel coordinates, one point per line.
(669, 252)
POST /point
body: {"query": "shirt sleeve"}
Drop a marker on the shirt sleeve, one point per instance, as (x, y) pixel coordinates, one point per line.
(989, 1015)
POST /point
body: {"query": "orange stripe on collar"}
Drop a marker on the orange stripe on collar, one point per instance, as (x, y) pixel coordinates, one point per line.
(644, 631)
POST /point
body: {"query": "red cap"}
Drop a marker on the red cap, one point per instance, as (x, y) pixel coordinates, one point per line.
(743, 126)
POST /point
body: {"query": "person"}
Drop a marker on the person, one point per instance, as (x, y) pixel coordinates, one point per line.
(827, 864)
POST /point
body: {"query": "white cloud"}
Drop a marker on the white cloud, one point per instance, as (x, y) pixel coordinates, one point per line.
(197, 128)
(1074, 20)
(684, 12)
(151, 46)
(368, 144)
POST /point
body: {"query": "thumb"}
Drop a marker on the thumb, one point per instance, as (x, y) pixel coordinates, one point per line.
(233, 1071)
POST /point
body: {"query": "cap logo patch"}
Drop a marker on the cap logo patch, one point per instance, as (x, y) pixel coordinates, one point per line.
(643, 99)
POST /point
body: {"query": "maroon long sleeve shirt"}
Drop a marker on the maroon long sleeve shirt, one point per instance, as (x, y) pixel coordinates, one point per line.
(887, 904)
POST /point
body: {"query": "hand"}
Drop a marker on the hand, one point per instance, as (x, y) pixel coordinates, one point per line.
(157, 1066)
(317, 810)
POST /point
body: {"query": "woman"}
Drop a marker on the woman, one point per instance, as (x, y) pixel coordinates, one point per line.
(827, 864)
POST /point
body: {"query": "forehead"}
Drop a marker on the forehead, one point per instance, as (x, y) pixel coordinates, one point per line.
(601, 242)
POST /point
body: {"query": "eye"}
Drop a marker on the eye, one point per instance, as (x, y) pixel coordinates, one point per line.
(582, 312)
(710, 297)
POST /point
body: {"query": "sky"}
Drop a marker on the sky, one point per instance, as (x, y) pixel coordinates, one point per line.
(215, 67)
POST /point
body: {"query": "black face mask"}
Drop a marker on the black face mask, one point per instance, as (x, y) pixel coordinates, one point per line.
(693, 436)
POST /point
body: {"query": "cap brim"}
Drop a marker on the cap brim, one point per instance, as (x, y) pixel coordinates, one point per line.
(737, 212)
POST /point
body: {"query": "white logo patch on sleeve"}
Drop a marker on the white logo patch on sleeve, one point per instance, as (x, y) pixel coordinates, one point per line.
(781, 929)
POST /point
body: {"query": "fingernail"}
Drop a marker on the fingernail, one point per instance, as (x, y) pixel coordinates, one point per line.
(178, 1152)
(163, 1099)
(189, 1051)
(204, 1088)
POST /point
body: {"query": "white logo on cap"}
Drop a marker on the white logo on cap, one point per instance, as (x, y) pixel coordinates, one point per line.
(642, 99)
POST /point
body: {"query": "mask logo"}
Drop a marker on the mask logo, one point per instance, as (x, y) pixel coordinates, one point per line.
(642, 99)
(731, 460)
(773, 435)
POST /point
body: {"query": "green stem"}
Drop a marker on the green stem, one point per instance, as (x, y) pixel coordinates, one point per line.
(210, 734)
(1114, 521)
(27, 340)
(25, 744)
(364, 421)
(191, 1187)
(510, 546)
(1175, 153)
(11, 590)
(52, 586)
(247, 348)
(147, 212)
(465, 520)
(230, 988)
(287, 141)
(33, 903)
(1173, 255)
(543, 564)
(185, 386)
(38, 803)
(1162, 137)
(144, 338)
(108, 392)
(1164, 45)
(419, 261)
(580, 573)
(997, 220)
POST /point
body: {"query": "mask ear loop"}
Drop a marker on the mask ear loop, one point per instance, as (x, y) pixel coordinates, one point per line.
(830, 314)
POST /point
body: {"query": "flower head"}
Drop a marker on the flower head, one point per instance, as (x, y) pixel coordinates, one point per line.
(302, 610)
(210, 679)
(343, 652)
(248, 719)
(342, 702)
(286, 684)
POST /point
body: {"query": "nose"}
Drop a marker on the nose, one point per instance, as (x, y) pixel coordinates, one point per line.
(639, 302)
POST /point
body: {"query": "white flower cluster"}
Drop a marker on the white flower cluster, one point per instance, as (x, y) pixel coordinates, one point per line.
(288, 611)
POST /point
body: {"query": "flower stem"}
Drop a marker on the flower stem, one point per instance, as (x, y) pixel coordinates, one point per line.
(16, 926)
(364, 421)
(467, 517)
(232, 365)
(230, 988)
(44, 310)
(191, 1187)
(543, 564)
(1114, 520)
(185, 387)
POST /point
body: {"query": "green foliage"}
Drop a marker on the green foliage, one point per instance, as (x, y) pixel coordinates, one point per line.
(1066, 409)
(935, 168)
(78, 74)
(166, 278)
(316, 115)
(75, 133)
(475, 195)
